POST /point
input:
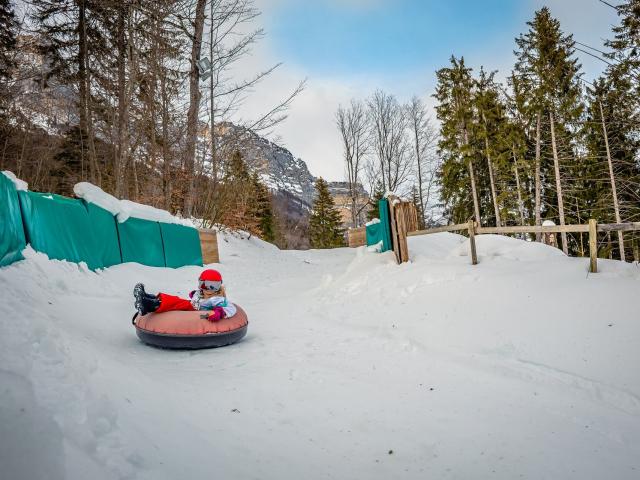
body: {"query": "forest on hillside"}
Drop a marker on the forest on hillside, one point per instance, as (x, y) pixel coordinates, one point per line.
(131, 96)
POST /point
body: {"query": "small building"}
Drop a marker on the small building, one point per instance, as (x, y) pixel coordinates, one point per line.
(342, 199)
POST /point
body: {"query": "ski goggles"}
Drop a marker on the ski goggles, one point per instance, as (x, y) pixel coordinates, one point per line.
(210, 285)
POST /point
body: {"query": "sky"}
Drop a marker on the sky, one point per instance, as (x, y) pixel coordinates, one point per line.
(348, 48)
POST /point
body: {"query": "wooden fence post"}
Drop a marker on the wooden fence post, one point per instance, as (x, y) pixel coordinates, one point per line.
(402, 233)
(593, 245)
(472, 242)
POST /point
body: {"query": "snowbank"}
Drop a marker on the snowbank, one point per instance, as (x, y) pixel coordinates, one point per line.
(124, 209)
(522, 366)
(20, 184)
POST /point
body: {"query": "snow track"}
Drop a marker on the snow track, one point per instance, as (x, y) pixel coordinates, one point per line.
(520, 367)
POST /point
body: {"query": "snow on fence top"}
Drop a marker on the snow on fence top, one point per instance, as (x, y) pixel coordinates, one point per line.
(125, 209)
(20, 184)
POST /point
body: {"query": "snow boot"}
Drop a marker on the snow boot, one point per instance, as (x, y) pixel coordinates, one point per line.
(145, 303)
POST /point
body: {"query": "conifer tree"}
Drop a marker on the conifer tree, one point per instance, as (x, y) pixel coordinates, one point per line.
(71, 39)
(491, 128)
(619, 96)
(455, 112)
(324, 222)
(378, 194)
(548, 70)
(263, 210)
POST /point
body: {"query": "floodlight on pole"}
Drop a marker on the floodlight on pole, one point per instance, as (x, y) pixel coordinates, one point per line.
(204, 68)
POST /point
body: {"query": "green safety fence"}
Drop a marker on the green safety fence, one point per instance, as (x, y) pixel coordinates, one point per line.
(141, 242)
(181, 245)
(60, 227)
(12, 239)
(381, 232)
(105, 231)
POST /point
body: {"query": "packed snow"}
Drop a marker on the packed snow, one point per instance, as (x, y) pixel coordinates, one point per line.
(124, 209)
(523, 366)
(21, 185)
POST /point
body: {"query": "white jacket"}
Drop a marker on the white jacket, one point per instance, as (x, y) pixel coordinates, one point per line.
(200, 303)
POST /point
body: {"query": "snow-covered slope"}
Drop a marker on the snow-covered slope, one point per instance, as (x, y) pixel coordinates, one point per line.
(523, 366)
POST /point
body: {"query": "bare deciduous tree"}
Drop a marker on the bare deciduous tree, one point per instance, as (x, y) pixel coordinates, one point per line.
(389, 139)
(425, 159)
(353, 127)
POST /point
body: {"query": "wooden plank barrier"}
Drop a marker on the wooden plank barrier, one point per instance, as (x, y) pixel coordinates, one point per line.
(209, 246)
(404, 218)
(357, 237)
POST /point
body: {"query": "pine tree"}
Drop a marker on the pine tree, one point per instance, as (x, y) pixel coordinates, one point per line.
(625, 45)
(263, 210)
(549, 74)
(378, 194)
(457, 177)
(237, 170)
(491, 127)
(619, 96)
(71, 39)
(68, 162)
(324, 222)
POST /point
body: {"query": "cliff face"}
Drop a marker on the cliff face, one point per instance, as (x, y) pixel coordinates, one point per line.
(288, 178)
(277, 167)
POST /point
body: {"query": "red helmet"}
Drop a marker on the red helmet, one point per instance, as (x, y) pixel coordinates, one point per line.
(210, 276)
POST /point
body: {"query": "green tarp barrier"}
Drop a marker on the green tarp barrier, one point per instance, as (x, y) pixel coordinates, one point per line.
(181, 245)
(60, 227)
(105, 231)
(12, 239)
(141, 242)
(381, 232)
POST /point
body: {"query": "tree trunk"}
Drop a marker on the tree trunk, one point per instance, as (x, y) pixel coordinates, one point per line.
(194, 107)
(82, 84)
(537, 180)
(520, 202)
(494, 196)
(556, 166)
(212, 104)
(476, 205)
(166, 159)
(120, 166)
(613, 183)
(419, 161)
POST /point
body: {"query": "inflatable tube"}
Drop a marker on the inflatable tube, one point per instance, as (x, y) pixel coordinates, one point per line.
(190, 330)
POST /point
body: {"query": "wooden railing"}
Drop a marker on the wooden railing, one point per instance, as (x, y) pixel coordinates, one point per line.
(592, 228)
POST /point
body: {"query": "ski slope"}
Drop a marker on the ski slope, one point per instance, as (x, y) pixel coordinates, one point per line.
(523, 366)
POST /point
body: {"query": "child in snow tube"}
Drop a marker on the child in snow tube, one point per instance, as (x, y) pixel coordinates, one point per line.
(211, 295)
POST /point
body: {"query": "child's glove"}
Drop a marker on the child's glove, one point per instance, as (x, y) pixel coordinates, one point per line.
(217, 314)
(192, 293)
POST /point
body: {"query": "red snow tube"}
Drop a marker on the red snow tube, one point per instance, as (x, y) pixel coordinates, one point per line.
(190, 330)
